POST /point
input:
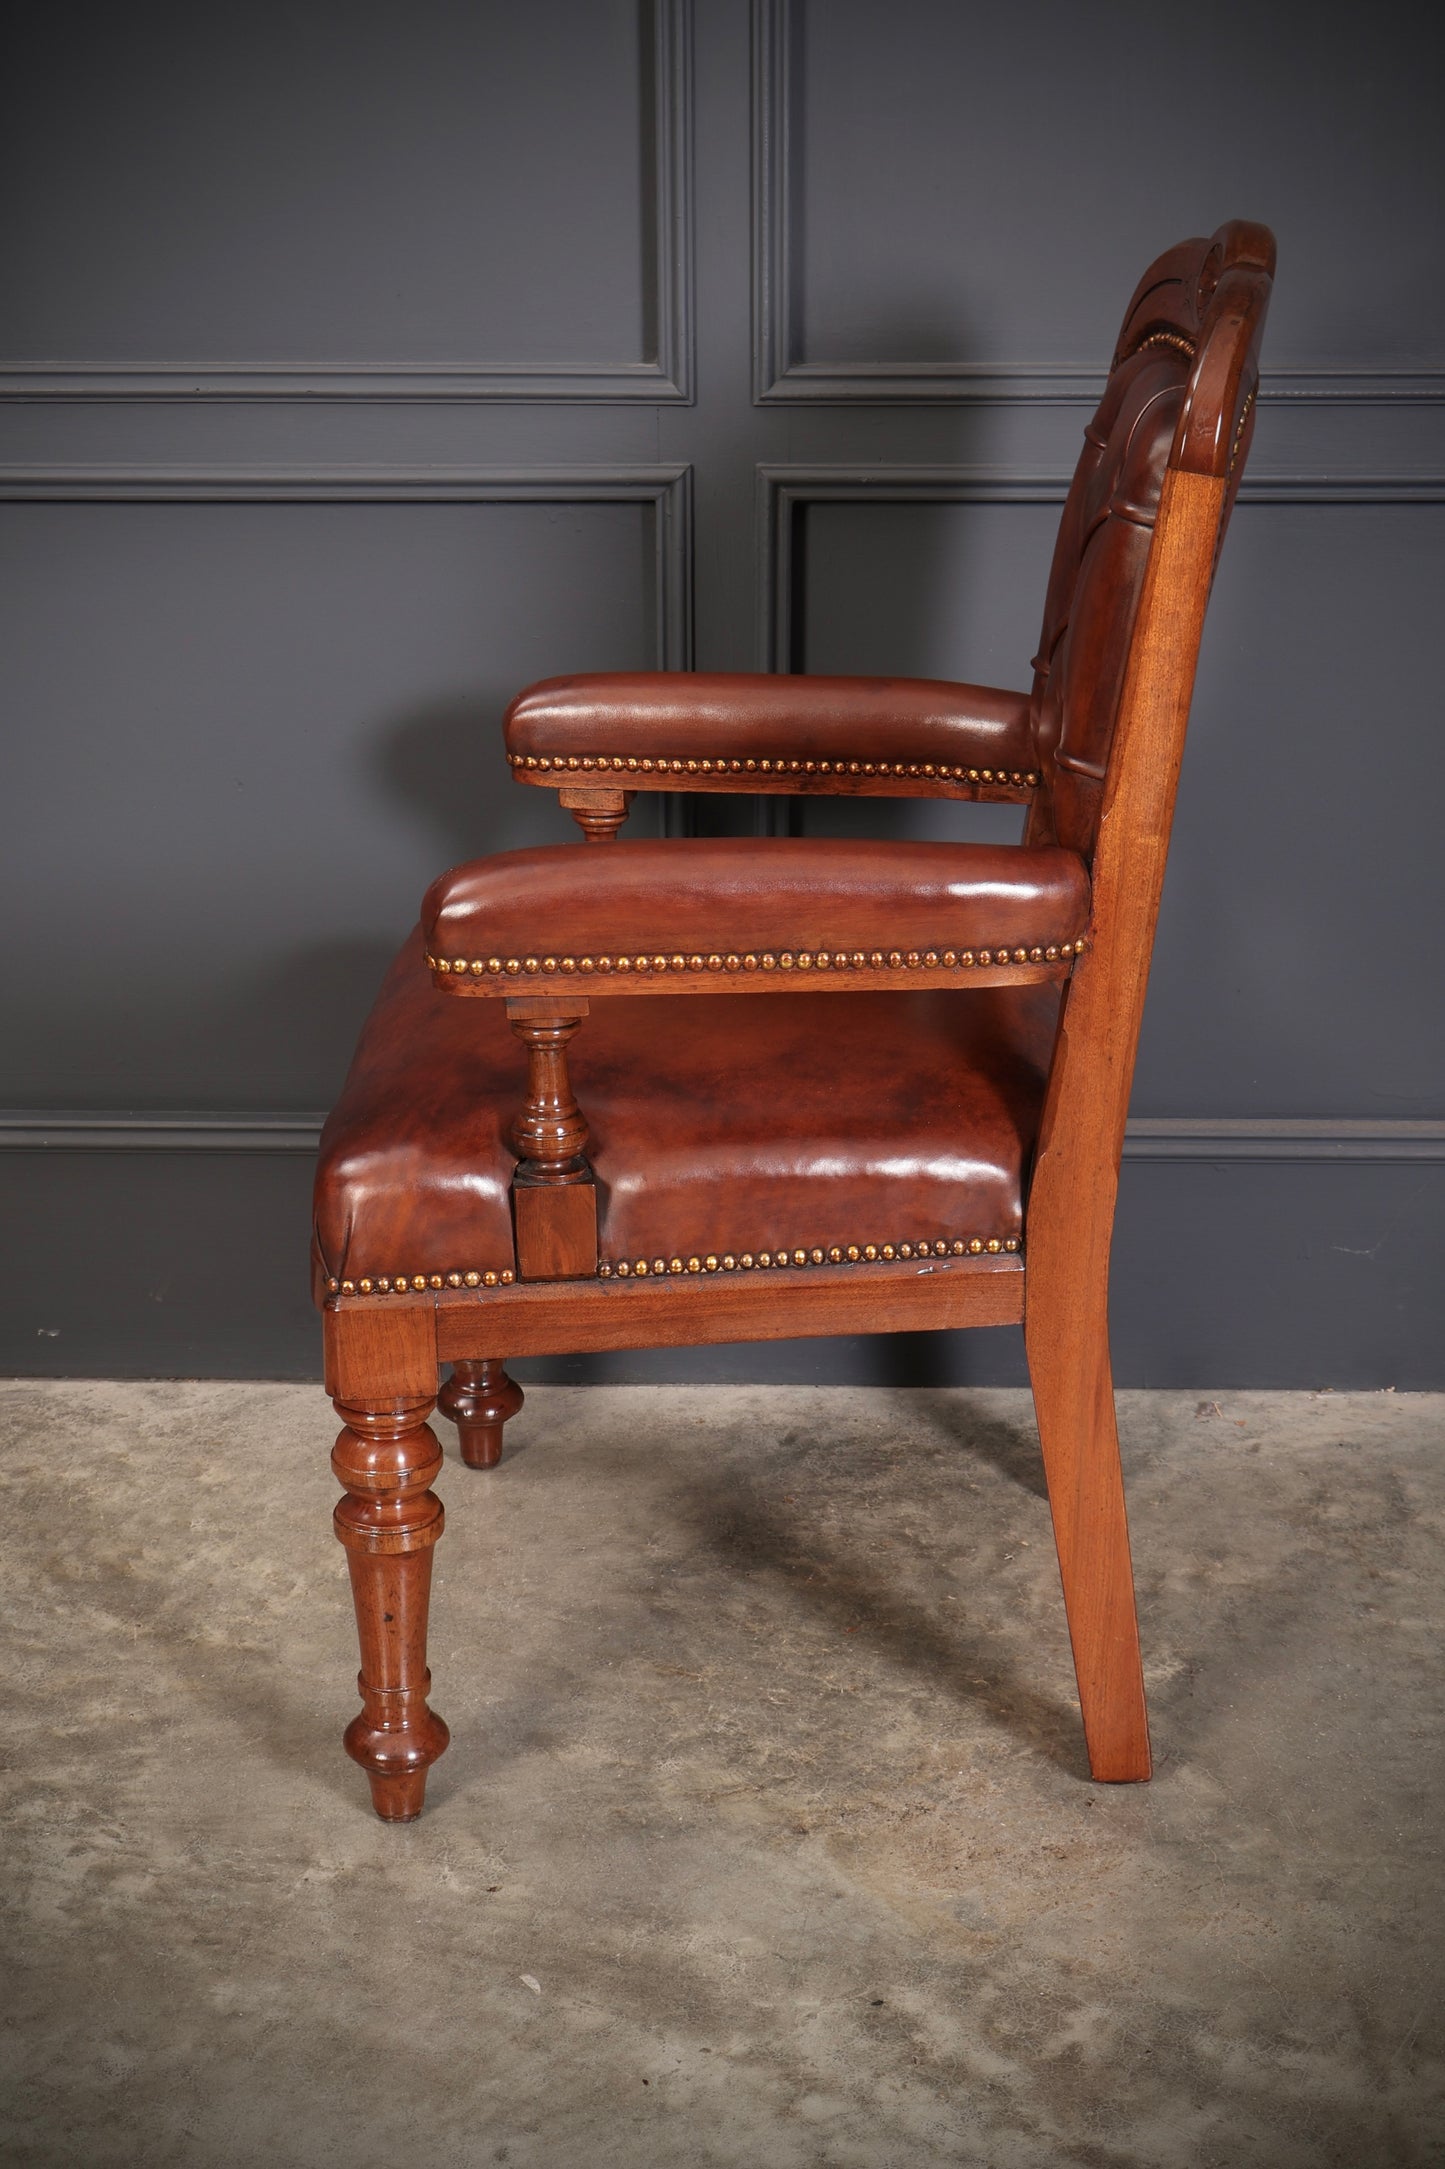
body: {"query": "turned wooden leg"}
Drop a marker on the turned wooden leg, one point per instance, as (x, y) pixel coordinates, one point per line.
(479, 1398)
(386, 1459)
(1074, 1399)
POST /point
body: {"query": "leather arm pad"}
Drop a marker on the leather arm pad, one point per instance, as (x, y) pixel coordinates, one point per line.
(731, 911)
(762, 732)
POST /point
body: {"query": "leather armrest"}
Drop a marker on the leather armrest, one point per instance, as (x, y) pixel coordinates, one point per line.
(761, 732)
(741, 911)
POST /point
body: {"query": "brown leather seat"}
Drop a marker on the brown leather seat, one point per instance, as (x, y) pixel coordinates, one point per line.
(731, 1131)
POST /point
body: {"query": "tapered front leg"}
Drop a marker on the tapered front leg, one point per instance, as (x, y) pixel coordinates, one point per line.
(386, 1459)
(479, 1398)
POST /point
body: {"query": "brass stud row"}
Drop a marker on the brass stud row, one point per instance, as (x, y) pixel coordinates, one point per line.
(418, 1283)
(763, 960)
(725, 1262)
(1174, 339)
(1243, 424)
(1022, 779)
(748, 1261)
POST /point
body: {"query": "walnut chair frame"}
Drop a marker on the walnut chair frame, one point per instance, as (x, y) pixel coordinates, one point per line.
(1094, 754)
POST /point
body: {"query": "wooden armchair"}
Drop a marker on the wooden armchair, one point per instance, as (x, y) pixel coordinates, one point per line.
(695, 1091)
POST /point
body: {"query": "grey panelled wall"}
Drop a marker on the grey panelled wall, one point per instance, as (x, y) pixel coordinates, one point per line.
(361, 363)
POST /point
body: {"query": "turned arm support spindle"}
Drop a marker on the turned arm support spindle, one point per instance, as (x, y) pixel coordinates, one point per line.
(554, 1199)
(599, 814)
(550, 1134)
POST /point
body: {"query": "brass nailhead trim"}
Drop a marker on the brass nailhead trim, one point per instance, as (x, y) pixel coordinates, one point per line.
(1023, 779)
(749, 1261)
(1174, 339)
(1244, 414)
(407, 1283)
(766, 960)
(727, 1262)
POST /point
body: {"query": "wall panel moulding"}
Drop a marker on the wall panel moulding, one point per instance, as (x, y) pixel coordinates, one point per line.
(1217, 1141)
(783, 491)
(662, 372)
(667, 489)
(785, 374)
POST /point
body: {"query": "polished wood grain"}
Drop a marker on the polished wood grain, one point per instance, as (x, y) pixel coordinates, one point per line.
(480, 1399)
(550, 1132)
(598, 813)
(1075, 1182)
(791, 979)
(598, 823)
(556, 1228)
(386, 1459)
(554, 1201)
(781, 1304)
(379, 1350)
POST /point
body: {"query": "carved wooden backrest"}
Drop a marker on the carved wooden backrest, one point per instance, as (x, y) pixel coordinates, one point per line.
(1180, 392)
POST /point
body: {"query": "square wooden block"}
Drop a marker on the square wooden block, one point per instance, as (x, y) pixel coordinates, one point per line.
(556, 1227)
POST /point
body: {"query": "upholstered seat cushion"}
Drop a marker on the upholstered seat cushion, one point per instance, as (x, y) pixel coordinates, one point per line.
(738, 1125)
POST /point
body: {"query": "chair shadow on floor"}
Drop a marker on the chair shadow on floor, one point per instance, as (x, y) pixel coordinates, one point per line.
(1010, 1447)
(171, 1654)
(846, 1586)
(841, 1582)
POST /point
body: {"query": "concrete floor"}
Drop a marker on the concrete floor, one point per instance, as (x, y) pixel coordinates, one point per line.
(764, 1837)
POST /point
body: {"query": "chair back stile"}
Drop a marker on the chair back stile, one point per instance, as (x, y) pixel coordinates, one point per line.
(1117, 674)
(1137, 550)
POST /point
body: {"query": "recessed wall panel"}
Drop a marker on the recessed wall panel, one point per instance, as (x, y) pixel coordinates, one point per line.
(1296, 971)
(244, 738)
(976, 189)
(282, 193)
